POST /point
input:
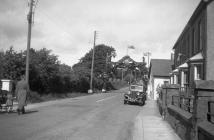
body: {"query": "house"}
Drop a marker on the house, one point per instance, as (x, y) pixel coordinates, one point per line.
(129, 70)
(158, 74)
(194, 48)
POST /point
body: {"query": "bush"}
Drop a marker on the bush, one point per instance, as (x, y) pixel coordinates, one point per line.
(34, 97)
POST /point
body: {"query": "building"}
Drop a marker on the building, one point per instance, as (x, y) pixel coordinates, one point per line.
(194, 49)
(129, 70)
(158, 74)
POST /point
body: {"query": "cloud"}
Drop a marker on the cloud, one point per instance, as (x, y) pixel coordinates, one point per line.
(67, 26)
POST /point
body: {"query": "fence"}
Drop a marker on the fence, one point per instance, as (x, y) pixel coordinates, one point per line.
(210, 113)
(185, 103)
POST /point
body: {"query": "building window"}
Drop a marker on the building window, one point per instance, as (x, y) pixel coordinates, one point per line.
(198, 72)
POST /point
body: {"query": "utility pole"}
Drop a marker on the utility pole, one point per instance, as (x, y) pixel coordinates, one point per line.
(92, 64)
(29, 19)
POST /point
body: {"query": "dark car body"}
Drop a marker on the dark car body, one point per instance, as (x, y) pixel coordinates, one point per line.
(135, 94)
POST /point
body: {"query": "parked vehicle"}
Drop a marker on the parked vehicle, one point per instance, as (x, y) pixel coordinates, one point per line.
(136, 94)
(6, 101)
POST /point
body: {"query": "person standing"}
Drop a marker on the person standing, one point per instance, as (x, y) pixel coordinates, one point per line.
(22, 89)
(9, 102)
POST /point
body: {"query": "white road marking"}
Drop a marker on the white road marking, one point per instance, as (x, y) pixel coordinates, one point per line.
(105, 99)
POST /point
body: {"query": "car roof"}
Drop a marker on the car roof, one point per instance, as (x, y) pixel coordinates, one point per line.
(137, 85)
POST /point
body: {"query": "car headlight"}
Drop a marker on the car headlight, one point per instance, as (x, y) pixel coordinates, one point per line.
(138, 93)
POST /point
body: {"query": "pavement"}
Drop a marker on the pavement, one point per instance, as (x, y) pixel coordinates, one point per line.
(149, 124)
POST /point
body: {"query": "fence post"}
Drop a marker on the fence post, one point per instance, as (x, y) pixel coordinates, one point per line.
(189, 100)
(209, 110)
(172, 100)
(194, 114)
(180, 98)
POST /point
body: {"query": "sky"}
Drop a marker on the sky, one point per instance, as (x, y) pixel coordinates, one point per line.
(67, 26)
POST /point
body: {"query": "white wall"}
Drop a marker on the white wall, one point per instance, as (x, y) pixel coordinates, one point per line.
(150, 88)
(158, 81)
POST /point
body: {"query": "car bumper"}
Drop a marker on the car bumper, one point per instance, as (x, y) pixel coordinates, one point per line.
(134, 100)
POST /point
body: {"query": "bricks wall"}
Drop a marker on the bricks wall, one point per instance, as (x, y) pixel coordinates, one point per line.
(202, 104)
(189, 126)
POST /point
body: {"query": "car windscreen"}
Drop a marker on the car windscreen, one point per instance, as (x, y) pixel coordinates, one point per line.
(137, 88)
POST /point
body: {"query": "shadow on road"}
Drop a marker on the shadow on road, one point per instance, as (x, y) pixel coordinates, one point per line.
(14, 112)
(135, 104)
(31, 111)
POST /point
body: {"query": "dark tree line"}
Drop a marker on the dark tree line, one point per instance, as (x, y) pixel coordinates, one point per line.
(48, 75)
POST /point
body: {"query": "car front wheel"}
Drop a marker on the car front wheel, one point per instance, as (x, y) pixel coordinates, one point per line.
(125, 102)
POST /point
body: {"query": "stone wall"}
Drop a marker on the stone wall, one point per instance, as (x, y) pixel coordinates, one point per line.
(189, 126)
(165, 96)
(204, 92)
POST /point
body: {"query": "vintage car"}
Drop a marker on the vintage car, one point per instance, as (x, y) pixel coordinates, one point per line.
(135, 94)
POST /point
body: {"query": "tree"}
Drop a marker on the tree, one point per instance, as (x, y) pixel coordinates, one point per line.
(83, 68)
(1, 63)
(44, 68)
(13, 64)
(47, 75)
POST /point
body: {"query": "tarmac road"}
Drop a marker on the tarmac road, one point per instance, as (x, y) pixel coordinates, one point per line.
(94, 117)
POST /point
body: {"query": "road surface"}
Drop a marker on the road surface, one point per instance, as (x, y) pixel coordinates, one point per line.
(94, 117)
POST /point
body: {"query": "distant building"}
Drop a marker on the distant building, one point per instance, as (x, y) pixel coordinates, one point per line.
(158, 74)
(123, 67)
(194, 49)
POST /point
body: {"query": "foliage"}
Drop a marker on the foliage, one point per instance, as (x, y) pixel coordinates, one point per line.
(47, 75)
(82, 69)
(12, 64)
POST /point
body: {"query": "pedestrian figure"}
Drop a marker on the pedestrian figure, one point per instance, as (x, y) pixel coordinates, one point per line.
(9, 102)
(21, 92)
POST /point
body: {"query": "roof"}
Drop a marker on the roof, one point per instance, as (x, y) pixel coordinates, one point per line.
(125, 59)
(196, 57)
(160, 67)
(201, 6)
(184, 65)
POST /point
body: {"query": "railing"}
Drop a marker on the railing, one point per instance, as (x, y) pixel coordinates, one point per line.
(210, 113)
(185, 90)
(185, 103)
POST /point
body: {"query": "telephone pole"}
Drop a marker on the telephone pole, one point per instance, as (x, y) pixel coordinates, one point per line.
(92, 64)
(32, 3)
